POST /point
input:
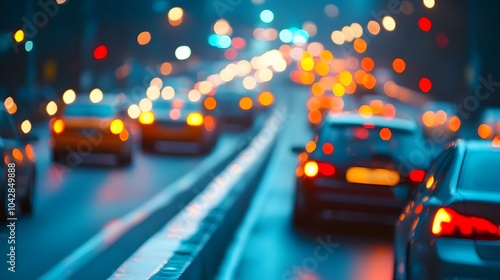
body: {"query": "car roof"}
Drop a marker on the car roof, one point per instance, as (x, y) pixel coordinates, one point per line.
(356, 119)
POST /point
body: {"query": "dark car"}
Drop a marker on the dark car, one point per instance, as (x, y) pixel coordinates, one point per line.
(362, 167)
(178, 125)
(17, 170)
(451, 227)
(92, 127)
(236, 105)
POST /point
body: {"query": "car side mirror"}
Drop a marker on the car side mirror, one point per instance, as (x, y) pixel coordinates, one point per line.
(298, 149)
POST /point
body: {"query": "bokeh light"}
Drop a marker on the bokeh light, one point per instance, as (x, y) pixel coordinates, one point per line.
(183, 52)
(425, 85)
(96, 95)
(69, 96)
(143, 38)
(389, 23)
(373, 27)
(398, 65)
(429, 3)
(425, 24)
(19, 36)
(367, 64)
(26, 126)
(175, 16)
(267, 16)
(51, 108)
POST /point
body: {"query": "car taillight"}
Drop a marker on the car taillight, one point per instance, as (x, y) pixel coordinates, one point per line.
(116, 126)
(147, 118)
(210, 103)
(312, 168)
(58, 126)
(194, 119)
(246, 103)
(266, 98)
(449, 223)
(417, 175)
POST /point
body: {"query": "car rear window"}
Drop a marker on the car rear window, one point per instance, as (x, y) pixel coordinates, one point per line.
(365, 141)
(176, 104)
(89, 111)
(479, 171)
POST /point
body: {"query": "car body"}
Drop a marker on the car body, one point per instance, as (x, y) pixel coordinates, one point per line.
(489, 123)
(178, 125)
(236, 105)
(360, 166)
(17, 169)
(451, 227)
(86, 128)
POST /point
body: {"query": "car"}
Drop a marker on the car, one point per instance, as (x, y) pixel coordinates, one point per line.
(178, 125)
(451, 227)
(489, 123)
(361, 168)
(17, 172)
(88, 127)
(236, 105)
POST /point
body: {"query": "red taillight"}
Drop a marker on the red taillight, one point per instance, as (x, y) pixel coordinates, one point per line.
(417, 175)
(449, 223)
(312, 168)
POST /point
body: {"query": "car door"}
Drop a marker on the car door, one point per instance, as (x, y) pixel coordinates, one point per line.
(408, 220)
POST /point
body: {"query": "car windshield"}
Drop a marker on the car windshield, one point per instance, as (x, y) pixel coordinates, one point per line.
(364, 142)
(479, 171)
(89, 111)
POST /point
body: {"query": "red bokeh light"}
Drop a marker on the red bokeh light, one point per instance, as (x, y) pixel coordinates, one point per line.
(238, 43)
(425, 84)
(100, 52)
(442, 40)
(425, 24)
(230, 54)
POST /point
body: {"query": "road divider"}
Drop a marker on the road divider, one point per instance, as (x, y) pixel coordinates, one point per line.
(192, 244)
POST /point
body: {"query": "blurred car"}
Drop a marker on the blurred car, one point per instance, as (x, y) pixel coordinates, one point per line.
(451, 227)
(236, 105)
(178, 124)
(489, 123)
(19, 160)
(86, 128)
(358, 165)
